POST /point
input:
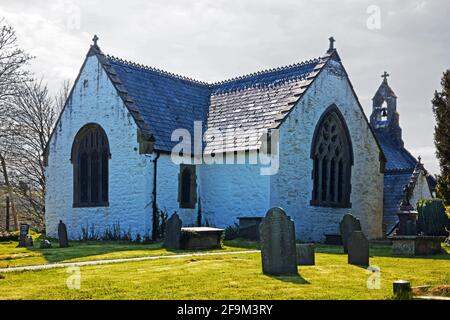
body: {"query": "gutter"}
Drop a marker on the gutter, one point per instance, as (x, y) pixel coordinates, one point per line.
(154, 203)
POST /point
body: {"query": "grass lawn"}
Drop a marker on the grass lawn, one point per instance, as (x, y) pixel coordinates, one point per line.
(11, 256)
(233, 276)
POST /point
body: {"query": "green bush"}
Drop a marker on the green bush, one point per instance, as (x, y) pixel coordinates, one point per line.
(232, 232)
(432, 219)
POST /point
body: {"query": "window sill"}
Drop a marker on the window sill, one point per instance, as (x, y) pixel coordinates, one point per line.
(330, 204)
(91, 205)
(187, 206)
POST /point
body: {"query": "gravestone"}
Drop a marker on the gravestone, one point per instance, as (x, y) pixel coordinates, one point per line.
(29, 241)
(172, 232)
(278, 252)
(25, 239)
(62, 235)
(347, 225)
(306, 254)
(358, 249)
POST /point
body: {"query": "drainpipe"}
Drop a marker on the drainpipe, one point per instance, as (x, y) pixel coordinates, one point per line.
(154, 204)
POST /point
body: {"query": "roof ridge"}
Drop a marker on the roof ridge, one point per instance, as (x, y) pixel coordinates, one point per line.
(216, 83)
(260, 86)
(157, 70)
(249, 75)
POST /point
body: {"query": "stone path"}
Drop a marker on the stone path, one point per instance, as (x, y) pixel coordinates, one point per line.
(110, 261)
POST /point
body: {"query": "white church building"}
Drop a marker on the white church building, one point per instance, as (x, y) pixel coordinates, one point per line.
(110, 160)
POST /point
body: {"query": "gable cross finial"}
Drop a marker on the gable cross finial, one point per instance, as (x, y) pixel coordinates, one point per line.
(332, 41)
(385, 75)
(420, 159)
(95, 40)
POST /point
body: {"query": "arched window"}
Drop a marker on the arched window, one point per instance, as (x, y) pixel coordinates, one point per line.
(187, 195)
(90, 157)
(332, 157)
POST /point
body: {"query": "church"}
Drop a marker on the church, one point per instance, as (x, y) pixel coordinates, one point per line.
(110, 159)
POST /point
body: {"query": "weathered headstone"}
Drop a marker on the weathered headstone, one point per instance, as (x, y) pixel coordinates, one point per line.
(172, 232)
(347, 225)
(24, 239)
(62, 235)
(358, 249)
(306, 254)
(278, 252)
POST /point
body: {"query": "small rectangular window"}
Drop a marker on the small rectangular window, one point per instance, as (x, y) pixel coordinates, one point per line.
(187, 186)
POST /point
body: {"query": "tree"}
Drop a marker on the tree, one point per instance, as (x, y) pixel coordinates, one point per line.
(12, 74)
(34, 121)
(441, 110)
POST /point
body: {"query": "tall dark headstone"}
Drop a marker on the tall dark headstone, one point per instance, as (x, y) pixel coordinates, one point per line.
(62, 235)
(25, 239)
(347, 225)
(358, 249)
(278, 251)
(172, 232)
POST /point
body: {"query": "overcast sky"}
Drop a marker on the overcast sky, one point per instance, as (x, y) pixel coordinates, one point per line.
(216, 39)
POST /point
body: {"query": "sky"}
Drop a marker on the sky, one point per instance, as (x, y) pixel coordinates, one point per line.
(215, 40)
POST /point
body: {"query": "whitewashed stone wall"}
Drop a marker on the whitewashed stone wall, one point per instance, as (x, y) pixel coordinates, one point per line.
(230, 191)
(292, 187)
(167, 190)
(421, 191)
(226, 191)
(95, 100)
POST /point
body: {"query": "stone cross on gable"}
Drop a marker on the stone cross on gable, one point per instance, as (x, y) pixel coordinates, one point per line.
(332, 41)
(95, 39)
(385, 75)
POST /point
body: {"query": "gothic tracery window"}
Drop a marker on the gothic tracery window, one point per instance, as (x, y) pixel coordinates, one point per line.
(332, 162)
(90, 157)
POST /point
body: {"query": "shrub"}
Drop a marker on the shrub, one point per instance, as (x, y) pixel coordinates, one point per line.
(160, 224)
(432, 219)
(9, 236)
(232, 232)
(113, 233)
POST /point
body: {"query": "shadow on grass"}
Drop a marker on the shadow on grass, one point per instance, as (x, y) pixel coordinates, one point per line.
(294, 278)
(381, 251)
(85, 249)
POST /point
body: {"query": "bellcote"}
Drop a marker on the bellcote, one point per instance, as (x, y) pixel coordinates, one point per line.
(385, 118)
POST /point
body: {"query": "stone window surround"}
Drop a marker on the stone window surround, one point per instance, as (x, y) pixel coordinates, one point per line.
(344, 135)
(103, 199)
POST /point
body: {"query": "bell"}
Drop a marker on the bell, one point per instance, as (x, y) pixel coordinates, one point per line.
(384, 113)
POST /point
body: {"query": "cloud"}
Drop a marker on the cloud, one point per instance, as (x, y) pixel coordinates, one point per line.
(215, 40)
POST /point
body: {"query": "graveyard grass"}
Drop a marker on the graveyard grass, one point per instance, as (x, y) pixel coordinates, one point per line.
(232, 276)
(11, 256)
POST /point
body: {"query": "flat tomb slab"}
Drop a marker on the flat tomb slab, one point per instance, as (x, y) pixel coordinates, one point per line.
(201, 238)
(409, 246)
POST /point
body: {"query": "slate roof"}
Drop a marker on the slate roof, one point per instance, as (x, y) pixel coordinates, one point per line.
(398, 158)
(165, 102)
(400, 167)
(250, 104)
(393, 194)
